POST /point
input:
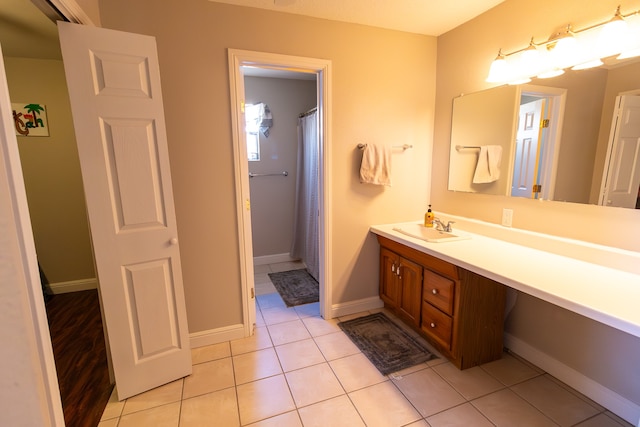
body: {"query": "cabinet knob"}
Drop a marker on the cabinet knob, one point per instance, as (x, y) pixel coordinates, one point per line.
(173, 241)
(433, 325)
(434, 291)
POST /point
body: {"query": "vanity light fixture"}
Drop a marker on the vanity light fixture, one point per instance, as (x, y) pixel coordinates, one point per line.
(570, 48)
(498, 72)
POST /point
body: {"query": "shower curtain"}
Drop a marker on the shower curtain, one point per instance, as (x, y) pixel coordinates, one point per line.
(305, 228)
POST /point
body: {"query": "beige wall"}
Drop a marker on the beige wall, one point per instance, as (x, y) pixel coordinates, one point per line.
(91, 9)
(273, 197)
(383, 90)
(601, 353)
(52, 173)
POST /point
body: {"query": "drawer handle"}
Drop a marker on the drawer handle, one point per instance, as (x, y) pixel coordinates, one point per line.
(433, 325)
(434, 291)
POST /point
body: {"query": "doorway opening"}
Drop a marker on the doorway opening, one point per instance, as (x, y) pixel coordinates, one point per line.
(542, 111)
(77, 371)
(72, 315)
(283, 64)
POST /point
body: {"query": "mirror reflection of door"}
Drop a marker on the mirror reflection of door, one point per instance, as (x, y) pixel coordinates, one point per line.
(527, 150)
(621, 180)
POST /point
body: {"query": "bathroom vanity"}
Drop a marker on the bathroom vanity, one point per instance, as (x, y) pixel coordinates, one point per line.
(454, 292)
(459, 312)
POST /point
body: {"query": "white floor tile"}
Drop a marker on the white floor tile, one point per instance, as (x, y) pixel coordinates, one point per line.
(356, 371)
(428, 392)
(505, 408)
(283, 333)
(313, 384)
(263, 399)
(256, 365)
(299, 354)
(218, 408)
(382, 405)
(336, 345)
(336, 412)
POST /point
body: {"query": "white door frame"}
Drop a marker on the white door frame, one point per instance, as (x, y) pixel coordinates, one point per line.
(50, 403)
(21, 255)
(322, 69)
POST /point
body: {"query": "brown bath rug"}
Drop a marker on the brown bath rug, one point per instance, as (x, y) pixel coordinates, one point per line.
(296, 287)
(385, 344)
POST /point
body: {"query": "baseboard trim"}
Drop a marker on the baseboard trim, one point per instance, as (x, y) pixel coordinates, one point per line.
(272, 259)
(216, 336)
(357, 306)
(602, 395)
(73, 286)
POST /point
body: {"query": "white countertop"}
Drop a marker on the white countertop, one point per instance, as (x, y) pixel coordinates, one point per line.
(605, 294)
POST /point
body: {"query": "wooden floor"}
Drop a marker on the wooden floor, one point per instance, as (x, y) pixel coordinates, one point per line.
(80, 355)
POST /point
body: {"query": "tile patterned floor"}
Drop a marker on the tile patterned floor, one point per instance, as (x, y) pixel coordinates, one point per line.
(301, 370)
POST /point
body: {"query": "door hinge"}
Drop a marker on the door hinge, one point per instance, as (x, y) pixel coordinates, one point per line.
(253, 293)
(242, 106)
(544, 123)
(537, 188)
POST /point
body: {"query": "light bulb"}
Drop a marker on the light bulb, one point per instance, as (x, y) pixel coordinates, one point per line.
(499, 71)
(530, 60)
(555, 72)
(588, 64)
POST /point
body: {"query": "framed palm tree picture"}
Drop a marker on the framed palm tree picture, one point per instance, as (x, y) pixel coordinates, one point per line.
(30, 119)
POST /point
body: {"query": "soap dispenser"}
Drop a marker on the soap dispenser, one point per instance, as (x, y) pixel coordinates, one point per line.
(428, 218)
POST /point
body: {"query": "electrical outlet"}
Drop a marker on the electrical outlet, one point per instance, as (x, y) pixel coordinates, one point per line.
(507, 217)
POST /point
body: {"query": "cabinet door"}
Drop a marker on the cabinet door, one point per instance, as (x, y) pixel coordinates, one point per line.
(389, 277)
(410, 290)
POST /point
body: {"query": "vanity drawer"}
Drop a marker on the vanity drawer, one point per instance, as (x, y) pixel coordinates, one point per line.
(437, 324)
(438, 291)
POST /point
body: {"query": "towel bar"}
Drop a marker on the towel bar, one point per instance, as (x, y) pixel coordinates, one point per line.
(283, 173)
(460, 147)
(404, 146)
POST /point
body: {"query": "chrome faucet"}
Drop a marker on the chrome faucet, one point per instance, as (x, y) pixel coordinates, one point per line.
(441, 227)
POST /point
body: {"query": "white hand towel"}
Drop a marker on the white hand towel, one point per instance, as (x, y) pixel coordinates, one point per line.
(376, 165)
(488, 167)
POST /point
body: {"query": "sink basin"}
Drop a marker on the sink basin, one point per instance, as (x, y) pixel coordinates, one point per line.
(429, 234)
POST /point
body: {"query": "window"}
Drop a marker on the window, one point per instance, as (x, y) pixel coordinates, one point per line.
(252, 117)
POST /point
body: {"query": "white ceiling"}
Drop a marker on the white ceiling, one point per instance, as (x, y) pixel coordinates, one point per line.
(429, 17)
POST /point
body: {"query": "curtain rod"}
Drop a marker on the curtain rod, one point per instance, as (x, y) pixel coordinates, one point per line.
(313, 110)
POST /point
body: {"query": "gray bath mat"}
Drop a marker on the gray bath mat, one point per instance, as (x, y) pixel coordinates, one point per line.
(296, 287)
(385, 344)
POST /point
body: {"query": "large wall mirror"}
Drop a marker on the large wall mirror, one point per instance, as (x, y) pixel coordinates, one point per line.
(553, 139)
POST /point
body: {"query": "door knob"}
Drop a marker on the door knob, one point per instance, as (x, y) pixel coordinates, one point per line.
(174, 241)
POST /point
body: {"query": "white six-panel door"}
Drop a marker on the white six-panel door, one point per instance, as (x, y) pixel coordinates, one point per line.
(114, 87)
(527, 149)
(622, 176)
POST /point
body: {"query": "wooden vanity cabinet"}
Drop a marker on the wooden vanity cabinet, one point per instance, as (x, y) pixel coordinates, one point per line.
(459, 312)
(401, 285)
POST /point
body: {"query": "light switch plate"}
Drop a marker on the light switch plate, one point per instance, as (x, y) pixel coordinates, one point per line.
(507, 217)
